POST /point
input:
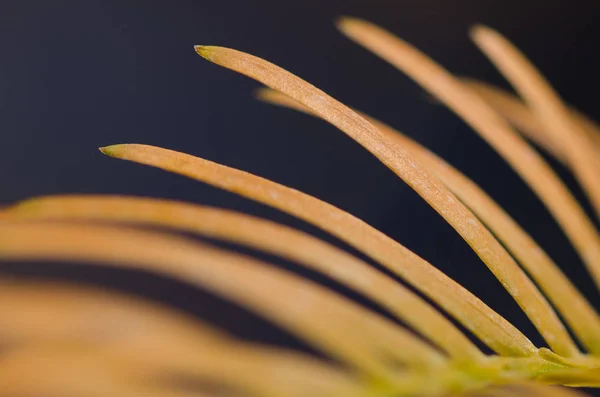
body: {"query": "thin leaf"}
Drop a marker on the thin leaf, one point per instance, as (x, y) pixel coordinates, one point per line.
(518, 114)
(489, 326)
(549, 108)
(54, 373)
(571, 304)
(154, 343)
(324, 319)
(483, 243)
(267, 236)
(477, 113)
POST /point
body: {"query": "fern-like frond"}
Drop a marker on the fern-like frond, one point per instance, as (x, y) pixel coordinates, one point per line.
(81, 341)
(415, 175)
(121, 346)
(492, 329)
(265, 236)
(570, 303)
(491, 127)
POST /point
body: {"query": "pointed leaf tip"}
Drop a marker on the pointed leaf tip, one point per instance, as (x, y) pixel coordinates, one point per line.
(479, 29)
(339, 21)
(109, 150)
(205, 51)
(105, 150)
(347, 24)
(262, 92)
(345, 20)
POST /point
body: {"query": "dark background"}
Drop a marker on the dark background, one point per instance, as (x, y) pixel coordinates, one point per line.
(76, 75)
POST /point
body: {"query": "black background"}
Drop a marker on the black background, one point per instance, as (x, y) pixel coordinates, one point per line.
(76, 75)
